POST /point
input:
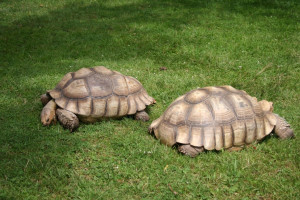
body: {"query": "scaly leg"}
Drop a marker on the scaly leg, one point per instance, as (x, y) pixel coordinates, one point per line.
(189, 150)
(142, 115)
(282, 128)
(48, 113)
(68, 119)
(45, 98)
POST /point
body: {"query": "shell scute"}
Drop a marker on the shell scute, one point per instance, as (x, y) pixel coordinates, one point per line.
(133, 84)
(103, 70)
(183, 135)
(112, 106)
(209, 138)
(176, 114)
(200, 115)
(64, 80)
(120, 85)
(241, 106)
(77, 89)
(196, 96)
(166, 134)
(82, 73)
(196, 136)
(238, 128)
(250, 130)
(85, 106)
(223, 113)
(99, 85)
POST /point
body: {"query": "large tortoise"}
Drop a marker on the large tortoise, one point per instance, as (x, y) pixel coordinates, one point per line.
(93, 94)
(215, 118)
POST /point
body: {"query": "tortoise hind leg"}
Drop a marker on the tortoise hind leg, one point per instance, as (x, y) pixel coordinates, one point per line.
(48, 113)
(68, 119)
(142, 115)
(189, 150)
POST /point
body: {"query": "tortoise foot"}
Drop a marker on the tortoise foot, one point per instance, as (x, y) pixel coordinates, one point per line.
(142, 115)
(68, 119)
(189, 150)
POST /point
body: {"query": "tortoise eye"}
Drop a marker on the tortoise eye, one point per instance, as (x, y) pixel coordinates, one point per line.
(47, 120)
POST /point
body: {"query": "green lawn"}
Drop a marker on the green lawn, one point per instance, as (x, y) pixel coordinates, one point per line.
(253, 45)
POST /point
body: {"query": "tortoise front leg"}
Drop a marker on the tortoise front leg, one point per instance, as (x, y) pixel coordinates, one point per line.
(189, 150)
(68, 119)
(282, 128)
(142, 115)
(48, 113)
(45, 98)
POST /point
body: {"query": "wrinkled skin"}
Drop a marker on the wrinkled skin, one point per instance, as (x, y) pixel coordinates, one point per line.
(48, 113)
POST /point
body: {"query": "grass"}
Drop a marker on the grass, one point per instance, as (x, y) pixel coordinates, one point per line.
(251, 44)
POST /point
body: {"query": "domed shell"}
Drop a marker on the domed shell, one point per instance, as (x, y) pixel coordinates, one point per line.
(100, 92)
(214, 118)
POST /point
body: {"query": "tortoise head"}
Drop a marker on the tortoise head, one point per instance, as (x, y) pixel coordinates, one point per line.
(48, 113)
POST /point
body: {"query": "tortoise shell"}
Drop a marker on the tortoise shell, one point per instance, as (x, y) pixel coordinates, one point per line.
(215, 118)
(100, 92)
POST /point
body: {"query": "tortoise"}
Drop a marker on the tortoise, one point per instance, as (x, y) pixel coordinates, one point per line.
(92, 94)
(215, 118)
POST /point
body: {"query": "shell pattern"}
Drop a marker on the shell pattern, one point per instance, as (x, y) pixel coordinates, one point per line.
(214, 118)
(100, 92)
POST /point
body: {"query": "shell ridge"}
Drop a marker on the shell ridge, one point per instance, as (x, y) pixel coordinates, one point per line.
(233, 135)
(175, 131)
(248, 101)
(202, 136)
(230, 104)
(210, 108)
(68, 82)
(67, 102)
(128, 103)
(264, 128)
(139, 96)
(92, 106)
(246, 133)
(89, 94)
(77, 106)
(119, 106)
(255, 130)
(105, 110)
(188, 113)
(126, 84)
(92, 69)
(190, 134)
(136, 104)
(223, 136)
(215, 141)
(112, 84)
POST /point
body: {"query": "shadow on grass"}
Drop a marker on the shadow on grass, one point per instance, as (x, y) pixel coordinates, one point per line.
(99, 33)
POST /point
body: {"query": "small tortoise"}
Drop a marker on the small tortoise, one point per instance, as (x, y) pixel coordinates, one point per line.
(93, 94)
(215, 118)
